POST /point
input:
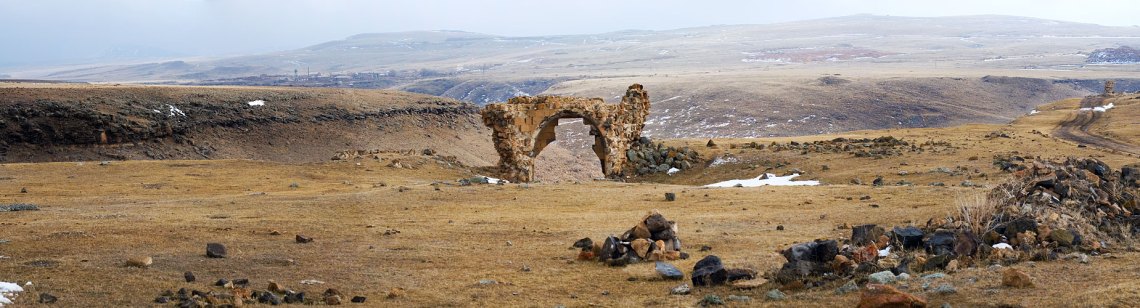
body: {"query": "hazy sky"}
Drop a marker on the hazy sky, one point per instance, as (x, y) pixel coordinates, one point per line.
(58, 31)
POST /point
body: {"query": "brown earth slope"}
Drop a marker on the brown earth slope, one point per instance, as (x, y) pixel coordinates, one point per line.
(70, 122)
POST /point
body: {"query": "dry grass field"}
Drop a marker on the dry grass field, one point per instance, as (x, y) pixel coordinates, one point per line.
(413, 232)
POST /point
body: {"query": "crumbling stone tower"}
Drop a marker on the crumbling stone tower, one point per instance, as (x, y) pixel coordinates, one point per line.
(524, 126)
(1109, 87)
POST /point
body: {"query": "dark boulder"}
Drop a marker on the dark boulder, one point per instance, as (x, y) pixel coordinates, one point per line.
(937, 262)
(709, 272)
(215, 250)
(668, 271)
(611, 249)
(656, 223)
(585, 243)
(818, 251)
(908, 237)
(1012, 228)
(865, 234)
(940, 243)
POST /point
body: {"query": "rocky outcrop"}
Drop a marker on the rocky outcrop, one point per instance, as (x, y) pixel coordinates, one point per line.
(525, 125)
(1123, 54)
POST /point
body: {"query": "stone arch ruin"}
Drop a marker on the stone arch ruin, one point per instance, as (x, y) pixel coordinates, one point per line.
(523, 126)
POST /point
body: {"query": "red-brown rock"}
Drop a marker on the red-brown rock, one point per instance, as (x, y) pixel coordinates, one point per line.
(882, 296)
(1015, 278)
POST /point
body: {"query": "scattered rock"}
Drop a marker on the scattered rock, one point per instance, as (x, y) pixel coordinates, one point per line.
(221, 282)
(23, 190)
(866, 234)
(142, 262)
(1015, 278)
(775, 295)
(952, 266)
(268, 298)
(189, 276)
(934, 276)
(848, 287)
(487, 282)
(276, 287)
(945, 288)
(883, 277)
(711, 299)
(358, 299)
(294, 297)
(668, 271)
(883, 296)
(670, 196)
(304, 239)
(215, 250)
(682, 289)
(46, 298)
(397, 292)
(908, 237)
(1062, 237)
(709, 271)
(332, 297)
(19, 207)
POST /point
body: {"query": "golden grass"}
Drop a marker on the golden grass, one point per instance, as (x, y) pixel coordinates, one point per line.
(95, 217)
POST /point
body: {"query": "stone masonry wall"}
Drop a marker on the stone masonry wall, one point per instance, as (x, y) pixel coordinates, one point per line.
(523, 126)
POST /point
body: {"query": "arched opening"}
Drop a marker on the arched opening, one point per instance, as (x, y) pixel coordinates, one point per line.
(574, 149)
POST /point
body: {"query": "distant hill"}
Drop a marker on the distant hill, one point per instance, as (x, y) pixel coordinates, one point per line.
(979, 41)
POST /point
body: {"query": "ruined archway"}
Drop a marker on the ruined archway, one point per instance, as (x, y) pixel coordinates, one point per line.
(524, 126)
(547, 134)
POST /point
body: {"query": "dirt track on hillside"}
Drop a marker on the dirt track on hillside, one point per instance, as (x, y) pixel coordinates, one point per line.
(1077, 130)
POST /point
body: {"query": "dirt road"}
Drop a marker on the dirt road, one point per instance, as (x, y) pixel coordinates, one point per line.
(1076, 130)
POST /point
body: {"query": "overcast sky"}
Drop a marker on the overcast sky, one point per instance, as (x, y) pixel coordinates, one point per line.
(39, 32)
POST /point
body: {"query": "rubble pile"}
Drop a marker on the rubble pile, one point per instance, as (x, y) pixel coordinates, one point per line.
(1080, 202)
(653, 239)
(649, 158)
(1048, 211)
(880, 147)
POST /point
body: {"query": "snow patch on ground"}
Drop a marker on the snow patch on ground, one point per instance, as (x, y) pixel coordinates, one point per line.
(8, 289)
(672, 171)
(1033, 112)
(175, 111)
(765, 180)
(257, 103)
(1099, 109)
(491, 180)
(723, 160)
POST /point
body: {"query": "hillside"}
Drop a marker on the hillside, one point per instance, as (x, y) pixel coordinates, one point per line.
(73, 122)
